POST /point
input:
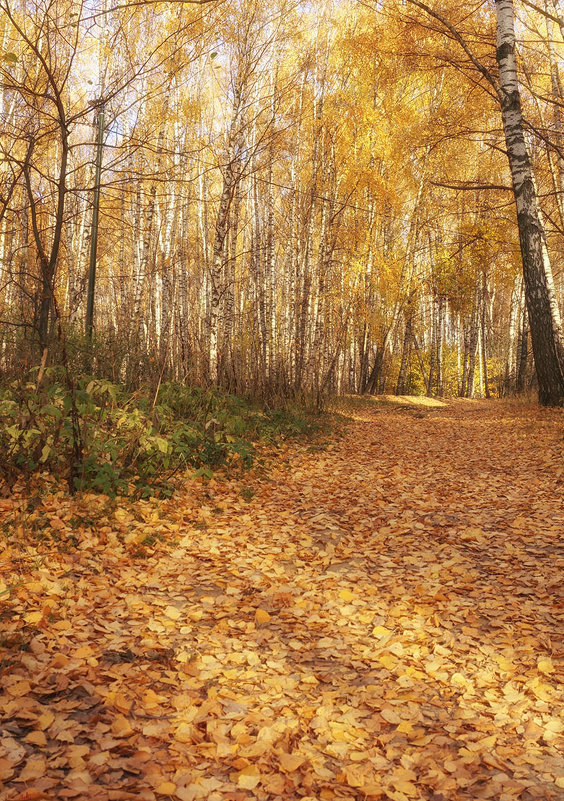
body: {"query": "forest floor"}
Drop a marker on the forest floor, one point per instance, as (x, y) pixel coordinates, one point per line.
(375, 619)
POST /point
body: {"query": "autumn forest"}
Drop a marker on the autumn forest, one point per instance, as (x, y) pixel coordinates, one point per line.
(281, 390)
(274, 197)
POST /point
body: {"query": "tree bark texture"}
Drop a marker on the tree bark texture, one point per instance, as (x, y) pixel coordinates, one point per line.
(544, 318)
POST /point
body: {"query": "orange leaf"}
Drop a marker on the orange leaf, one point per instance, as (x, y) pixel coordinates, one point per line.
(291, 762)
(121, 727)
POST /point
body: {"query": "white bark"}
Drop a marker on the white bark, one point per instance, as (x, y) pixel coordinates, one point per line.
(546, 329)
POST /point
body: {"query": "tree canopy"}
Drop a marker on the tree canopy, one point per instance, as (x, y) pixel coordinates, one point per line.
(294, 197)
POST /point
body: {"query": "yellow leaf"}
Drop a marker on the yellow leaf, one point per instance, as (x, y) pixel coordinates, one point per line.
(459, 680)
(381, 631)
(84, 652)
(33, 617)
(184, 733)
(166, 788)
(396, 648)
(275, 784)
(184, 657)
(248, 778)
(188, 793)
(511, 693)
(36, 738)
(252, 658)
(519, 522)
(151, 699)
(45, 720)
(488, 742)
(504, 664)
(172, 613)
(542, 691)
(390, 715)
(121, 703)
(359, 756)
(546, 666)
(408, 788)
(19, 689)
(262, 616)
(121, 727)
(34, 769)
(291, 762)
(354, 776)
(346, 595)
(472, 533)
(388, 661)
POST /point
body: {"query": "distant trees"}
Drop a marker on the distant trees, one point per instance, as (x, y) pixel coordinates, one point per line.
(294, 198)
(36, 146)
(541, 300)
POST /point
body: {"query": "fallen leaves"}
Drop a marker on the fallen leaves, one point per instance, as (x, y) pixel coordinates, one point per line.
(172, 613)
(121, 727)
(378, 622)
(248, 778)
(291, 762)
(18, 689)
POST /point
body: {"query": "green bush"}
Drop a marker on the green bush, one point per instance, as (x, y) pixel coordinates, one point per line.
(121, 443)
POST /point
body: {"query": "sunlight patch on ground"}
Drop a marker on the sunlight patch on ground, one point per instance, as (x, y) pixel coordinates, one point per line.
(396, 400)
(411, 400)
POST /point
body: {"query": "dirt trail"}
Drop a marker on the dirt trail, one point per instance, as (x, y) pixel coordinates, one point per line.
(383, 619)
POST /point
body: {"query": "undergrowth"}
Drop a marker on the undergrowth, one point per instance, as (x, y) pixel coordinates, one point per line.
(131, 443)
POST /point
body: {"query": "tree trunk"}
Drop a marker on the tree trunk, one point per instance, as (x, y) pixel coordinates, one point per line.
(544, 318)
(522, 353)
(401, 386)
(511, 361)
(484, 336)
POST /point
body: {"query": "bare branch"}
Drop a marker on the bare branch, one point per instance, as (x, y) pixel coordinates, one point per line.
(461, 41)
(541, 11)
(468, 186)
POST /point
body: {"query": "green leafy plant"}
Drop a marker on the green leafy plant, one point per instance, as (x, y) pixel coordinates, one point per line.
(130, 445)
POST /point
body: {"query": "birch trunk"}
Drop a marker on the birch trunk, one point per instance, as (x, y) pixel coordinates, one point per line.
(231, 177)
(511, 362)
(544, 317)
(401, 386)
(522, 352)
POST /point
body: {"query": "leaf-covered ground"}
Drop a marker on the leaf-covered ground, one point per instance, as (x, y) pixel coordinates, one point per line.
(382, 619)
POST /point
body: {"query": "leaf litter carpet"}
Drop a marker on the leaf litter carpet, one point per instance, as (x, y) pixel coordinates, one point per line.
(381, 620)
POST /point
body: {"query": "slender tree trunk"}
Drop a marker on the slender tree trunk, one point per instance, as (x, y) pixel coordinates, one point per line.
(484, 336)
(440, 342)
(458, 357)
(522, 352)
(434, 336)
(405, 355)
(511, 361)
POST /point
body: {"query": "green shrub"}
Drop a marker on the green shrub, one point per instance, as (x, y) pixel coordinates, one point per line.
(126, 443)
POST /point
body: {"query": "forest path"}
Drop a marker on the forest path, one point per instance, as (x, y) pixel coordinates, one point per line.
(381, 620)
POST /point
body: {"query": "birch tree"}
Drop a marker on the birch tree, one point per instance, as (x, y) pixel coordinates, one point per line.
(544, 315)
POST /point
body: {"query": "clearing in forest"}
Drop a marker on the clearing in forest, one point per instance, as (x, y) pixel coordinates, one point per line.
(378, 619)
